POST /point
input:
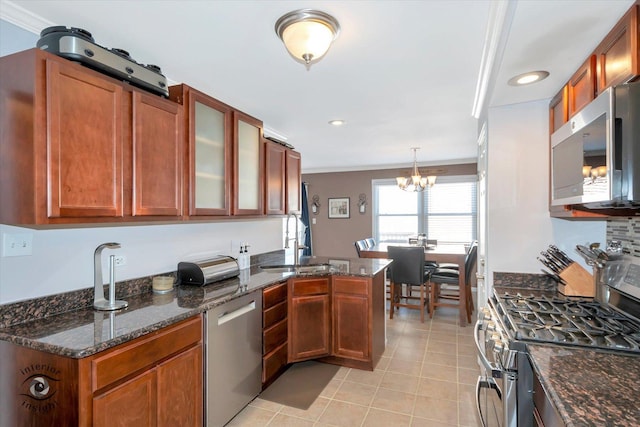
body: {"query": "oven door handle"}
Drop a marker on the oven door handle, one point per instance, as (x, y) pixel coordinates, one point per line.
(484, 382)
(495, 371)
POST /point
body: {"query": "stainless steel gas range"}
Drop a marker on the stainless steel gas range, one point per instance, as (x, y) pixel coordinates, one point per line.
(515, 319)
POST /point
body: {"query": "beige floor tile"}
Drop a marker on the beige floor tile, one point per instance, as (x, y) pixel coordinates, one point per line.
(468, 414)
(409, 353)
(423, 422)
(439, 372)
(436, 409)
(252, 416)
(468, 362)
(443, 336)
(383, 363)
(266, 404)
(439, 389)
(467, 349)
(360, 394)
(392, 400)
(400, 382)
(468, 376)
(331, 388)
(343, 414)
(371, 378)
(445, 359)
(282, 420)
(342, 373)
(380, 418)
(441, 347)
(312, 413)
(407, 367)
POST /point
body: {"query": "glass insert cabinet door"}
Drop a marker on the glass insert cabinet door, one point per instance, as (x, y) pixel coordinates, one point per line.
(209, 156)
(248, 155)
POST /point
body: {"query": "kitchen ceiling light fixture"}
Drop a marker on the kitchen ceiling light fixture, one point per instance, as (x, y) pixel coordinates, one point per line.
(415, 182)
(528, 78)
(337, 122)
(307, 34)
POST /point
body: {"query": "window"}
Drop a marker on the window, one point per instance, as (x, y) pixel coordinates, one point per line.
(445, 212)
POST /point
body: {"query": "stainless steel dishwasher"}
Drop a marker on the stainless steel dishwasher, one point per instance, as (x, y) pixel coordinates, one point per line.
(233, 357)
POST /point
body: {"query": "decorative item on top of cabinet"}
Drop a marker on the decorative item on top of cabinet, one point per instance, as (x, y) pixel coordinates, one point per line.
(248, 165)
(81, 147)
(209, 125)
(274, 185)
(618, 54)
(293, 181)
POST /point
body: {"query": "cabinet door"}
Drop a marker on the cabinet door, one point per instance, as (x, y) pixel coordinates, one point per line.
(210, 129)
(84, 143)
(248, 178)
(294, 182)
(180, 392)
(157, 156)
(351, 335)
(559, 110)
(131, 404)
(309, 319)
(582, 86)
(274, 197)
(618, 59)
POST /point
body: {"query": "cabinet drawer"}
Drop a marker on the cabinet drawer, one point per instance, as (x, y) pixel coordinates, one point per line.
(274, 314)
(273, 362)
(350, 286)
(274, 295)
(143, 352)
(309, 287)
(274, 336)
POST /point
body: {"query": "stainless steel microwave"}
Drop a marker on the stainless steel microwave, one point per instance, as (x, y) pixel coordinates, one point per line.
(595, 156)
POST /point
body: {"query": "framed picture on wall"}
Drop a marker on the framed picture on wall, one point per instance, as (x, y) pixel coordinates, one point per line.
(339, 207)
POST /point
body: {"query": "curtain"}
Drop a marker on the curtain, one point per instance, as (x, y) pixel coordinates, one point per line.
(304, 217)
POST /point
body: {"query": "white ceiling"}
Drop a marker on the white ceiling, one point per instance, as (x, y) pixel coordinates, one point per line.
(402, 73)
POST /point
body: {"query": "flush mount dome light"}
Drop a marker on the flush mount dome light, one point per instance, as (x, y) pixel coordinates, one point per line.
(528, 78)
(337, 122)
(307, 34)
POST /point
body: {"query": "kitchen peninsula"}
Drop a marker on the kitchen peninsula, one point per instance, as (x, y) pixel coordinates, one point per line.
(72, 367)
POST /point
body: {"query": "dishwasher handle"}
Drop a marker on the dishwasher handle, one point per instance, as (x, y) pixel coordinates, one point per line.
(227, 317)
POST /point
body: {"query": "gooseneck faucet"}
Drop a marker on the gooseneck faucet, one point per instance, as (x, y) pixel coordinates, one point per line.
(296, 245)
(99, 301)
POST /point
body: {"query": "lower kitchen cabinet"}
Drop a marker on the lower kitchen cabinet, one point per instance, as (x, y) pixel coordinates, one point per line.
(351, 317)
(274, 332)
(154, 380)
(309, 318)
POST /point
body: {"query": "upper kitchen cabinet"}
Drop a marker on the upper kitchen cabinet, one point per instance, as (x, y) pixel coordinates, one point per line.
(81, 147)
(618, 54)
(248, 157)
(559, 109)
(209, 128)
(274, 184)
(293, 181)
(582, 86)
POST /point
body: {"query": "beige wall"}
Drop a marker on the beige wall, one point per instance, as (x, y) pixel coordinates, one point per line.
(335, 237)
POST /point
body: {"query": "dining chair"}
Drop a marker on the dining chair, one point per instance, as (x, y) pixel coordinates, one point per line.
(444, 284)
(370, 242)
(408, 268)
(360, 246)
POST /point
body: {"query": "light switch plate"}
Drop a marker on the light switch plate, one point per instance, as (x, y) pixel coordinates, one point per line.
(17, 244)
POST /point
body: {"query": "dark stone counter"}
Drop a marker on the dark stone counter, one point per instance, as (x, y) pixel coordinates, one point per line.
(80, 331)
(589, 388)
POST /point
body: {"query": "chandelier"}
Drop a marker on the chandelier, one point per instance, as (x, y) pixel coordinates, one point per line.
(307, 34)
(415, 182)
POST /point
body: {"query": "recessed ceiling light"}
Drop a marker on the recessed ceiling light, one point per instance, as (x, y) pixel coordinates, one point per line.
(528, 78)
(337, 122)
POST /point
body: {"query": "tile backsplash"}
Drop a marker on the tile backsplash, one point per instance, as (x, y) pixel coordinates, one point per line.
(627, 231)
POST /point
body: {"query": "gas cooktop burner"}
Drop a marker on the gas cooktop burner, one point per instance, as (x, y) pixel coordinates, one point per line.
(565, 321)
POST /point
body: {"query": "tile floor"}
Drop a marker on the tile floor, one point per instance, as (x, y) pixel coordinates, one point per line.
(426, 377)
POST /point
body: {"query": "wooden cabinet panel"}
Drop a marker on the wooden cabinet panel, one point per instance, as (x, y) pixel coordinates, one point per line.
(248, 165)
(84, 143)
(559, 109)
(293, 181)
(274, 336)
(274, 197)
(273, 364)
(130, 404)
(275, 332)
(309, 318)
(351, 317)
(582, 86)
(180, 390)
(157, 156)
(274, 314)
(618, 55)
(274, 295)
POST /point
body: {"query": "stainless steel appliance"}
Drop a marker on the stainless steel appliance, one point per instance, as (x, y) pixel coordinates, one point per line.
(78, 45)
(207, 271)
(595, 159)
(513, 320)
(233, 355)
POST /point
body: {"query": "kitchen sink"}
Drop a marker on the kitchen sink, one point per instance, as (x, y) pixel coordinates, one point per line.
(290, 268)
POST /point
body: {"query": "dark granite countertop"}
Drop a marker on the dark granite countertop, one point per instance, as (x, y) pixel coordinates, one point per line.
(589, 388)
(85, 331)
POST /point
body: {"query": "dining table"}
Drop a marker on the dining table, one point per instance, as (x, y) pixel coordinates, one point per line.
(440, 253)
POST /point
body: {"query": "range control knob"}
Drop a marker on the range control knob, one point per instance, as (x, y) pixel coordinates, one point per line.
(491, 326)
(485, 313)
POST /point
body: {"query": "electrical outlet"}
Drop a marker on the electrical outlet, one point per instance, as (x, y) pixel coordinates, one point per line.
(17, 244)
(120, 260)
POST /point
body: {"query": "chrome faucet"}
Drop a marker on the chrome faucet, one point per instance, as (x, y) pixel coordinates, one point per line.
(99, 301)
(296, 244)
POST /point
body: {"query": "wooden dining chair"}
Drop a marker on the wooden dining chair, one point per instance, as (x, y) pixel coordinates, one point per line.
(444, 285)
(370, 242)
(408, 269)
(360, 246)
